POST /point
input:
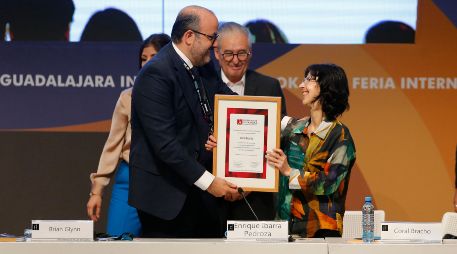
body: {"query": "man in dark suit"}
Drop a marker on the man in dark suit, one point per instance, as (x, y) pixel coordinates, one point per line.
(233, 54)
(171, 120)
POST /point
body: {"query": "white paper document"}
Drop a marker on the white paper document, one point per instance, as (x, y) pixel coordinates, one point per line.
(246, 143)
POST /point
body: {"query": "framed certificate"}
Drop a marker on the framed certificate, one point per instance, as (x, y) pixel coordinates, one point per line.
(245, 128)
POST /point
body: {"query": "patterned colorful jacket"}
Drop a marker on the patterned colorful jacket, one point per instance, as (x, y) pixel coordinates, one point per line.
(314, 194)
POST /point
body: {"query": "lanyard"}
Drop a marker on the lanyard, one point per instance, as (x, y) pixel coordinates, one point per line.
(202, 98)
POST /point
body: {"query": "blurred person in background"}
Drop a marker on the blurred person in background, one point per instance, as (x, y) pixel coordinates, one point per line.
(2, 29)
(390, 32)
(2, 20)
(111, 25)
(122, 218)
(43, 20)
(264, 30)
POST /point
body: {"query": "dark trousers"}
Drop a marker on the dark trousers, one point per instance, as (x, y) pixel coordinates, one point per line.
(322, 233)
(299, 228)
(199, 218)
(262, 204)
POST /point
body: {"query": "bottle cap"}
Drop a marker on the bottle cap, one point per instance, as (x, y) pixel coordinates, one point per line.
(368, 199)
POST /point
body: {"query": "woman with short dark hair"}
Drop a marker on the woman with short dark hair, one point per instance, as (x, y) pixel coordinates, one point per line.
(316, 157)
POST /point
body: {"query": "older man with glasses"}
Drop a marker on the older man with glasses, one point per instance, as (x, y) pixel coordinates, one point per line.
(234, 53)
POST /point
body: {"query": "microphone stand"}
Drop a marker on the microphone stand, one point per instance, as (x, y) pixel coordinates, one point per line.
(241, 191)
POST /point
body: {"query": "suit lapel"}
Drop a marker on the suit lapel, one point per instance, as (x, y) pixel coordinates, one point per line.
(186, 83)
(250, 87)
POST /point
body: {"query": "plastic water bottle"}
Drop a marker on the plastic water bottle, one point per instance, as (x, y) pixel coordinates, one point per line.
(27, 235)
(368, 221)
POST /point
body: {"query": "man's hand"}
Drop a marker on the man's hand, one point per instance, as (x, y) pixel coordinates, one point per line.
(220, 187)
(211, 143)
(236, 197)
(233, 197)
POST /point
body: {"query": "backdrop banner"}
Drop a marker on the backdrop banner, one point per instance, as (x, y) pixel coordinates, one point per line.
(57, 99)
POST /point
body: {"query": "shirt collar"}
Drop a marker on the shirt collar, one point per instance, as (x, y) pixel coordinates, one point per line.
(183, 56)
(228, 82)
(321, 131)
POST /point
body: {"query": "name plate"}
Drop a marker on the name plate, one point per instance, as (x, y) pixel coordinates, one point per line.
(63, 229)
(411, 231)
(258, 230)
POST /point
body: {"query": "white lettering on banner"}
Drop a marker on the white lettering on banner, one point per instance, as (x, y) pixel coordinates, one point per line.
(127, 81)
(373, 83)
(64, 81)
(406, 83)
(289, 82)
(109, 81)
(5, 80)
(28, 80)
(429, 83)
(88, 82)
(40, 80)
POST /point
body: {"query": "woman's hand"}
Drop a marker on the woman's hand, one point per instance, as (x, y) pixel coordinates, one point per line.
(211, 143)
(94, 206)
(276, 158)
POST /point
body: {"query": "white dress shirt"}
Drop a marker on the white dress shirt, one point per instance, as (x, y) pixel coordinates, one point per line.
(237, 87)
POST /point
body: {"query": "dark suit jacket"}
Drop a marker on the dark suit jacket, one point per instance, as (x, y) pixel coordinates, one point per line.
(167, 153)
(258, 84)
(262, 202)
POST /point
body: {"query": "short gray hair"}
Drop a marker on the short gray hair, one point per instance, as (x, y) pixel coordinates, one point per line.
(227, 28)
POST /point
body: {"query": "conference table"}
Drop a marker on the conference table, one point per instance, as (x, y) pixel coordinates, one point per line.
(221, 246)
(166, 246)
(344, 246)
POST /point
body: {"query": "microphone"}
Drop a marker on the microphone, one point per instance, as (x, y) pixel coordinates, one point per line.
(449, 236)
(449, 223)
(241, 191)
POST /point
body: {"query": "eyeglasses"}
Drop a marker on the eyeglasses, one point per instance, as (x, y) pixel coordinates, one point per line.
(309, 78)
(242, 55)
(212, 38)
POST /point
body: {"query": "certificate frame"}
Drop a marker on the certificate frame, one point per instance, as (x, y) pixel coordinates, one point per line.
(245, 127)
